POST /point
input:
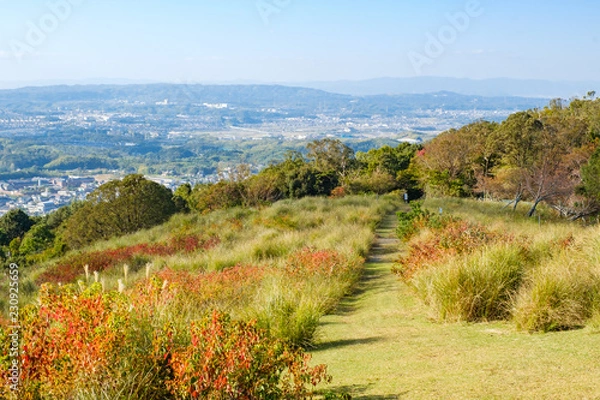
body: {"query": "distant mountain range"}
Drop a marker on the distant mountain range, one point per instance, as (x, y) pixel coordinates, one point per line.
(500, 87)
(485, 87)
(297, 100)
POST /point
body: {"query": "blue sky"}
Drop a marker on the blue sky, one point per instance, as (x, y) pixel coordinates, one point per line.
(296, 40)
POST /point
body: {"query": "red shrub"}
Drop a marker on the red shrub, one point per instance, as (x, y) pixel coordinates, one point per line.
(72, 267)
(308, 262)
(215, 289)
(73, 341)
(338, 193)
(236, 360)
(70, 339)
(455, 237)
(206, 291)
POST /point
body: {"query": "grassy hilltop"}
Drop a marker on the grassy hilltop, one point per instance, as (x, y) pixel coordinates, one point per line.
(204, 306)
(465, 313)
(478, 302)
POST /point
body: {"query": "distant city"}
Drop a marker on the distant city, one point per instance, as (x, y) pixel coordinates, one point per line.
(60, 143)
(40, 196)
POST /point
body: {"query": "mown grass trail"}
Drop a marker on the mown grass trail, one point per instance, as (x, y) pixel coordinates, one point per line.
(357, 341)
(380, 344)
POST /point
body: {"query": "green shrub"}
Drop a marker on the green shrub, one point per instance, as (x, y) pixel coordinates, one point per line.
(479, 287)
(406, 220)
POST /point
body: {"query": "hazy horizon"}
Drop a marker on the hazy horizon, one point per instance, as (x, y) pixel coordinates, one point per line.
(496, 87)
(132, 81)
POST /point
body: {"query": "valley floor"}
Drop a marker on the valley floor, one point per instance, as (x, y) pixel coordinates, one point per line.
(380, 344)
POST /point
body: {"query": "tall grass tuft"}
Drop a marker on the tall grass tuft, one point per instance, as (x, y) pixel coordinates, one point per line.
(293, 320)
(478, 287)
(560, 295)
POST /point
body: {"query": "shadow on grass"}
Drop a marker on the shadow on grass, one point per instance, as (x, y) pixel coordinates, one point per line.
(343, 343)
(388, 247)
(372, 280)
(358, 392)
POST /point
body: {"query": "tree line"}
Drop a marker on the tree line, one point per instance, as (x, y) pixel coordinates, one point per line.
(329, 168)
(120, 207)
(548, 155)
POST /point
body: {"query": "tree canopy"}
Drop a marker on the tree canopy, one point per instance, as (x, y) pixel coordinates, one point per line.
(13, 225)
(535, 155)
(120, 207)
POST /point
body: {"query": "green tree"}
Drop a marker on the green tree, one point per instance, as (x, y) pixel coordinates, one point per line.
(14, 224)
(182, 197)
(263, 188)
(38, 239)
(223, 194)
(58, 217)
(378, 181)
(331, 155)
(445, 164)
(294, 177)
(590, 177)
(309, 181)
(120, 207)
(388, 159)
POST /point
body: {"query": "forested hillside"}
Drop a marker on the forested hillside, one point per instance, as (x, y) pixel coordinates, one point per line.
(548, 155)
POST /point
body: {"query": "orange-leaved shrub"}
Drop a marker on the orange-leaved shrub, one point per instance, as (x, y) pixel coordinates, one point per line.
(453, 237)
(71, 340)
(203, 292)
(85, 342)
(72, 266)
(311, 262)
(228, 359)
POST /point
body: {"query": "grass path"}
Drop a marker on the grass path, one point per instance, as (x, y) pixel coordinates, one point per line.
(381, 345)
(357, 339)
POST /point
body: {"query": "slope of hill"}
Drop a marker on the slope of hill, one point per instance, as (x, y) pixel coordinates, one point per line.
(250, 285)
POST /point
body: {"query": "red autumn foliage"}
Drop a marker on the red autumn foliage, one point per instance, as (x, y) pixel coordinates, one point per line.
(307, 262)
(70, 338)
(207, 291)
(454, 237)
(76, 340)
(72, 267)
(236, 360)
(225, 289)
(338, 193)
